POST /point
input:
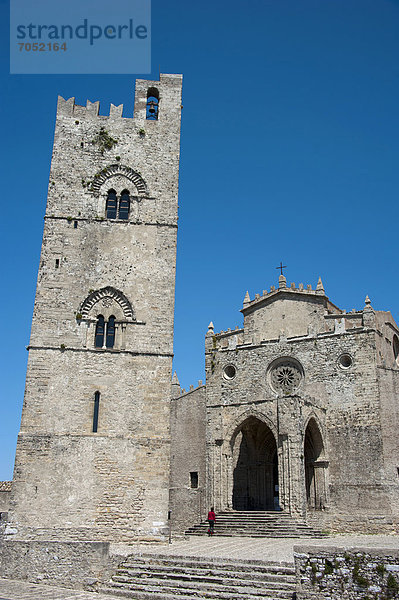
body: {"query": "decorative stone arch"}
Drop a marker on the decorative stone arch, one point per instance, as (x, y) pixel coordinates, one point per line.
(315, 465)
(111, 294)
(313, 417)
(117, 169)
(249, 463)
(238, 422)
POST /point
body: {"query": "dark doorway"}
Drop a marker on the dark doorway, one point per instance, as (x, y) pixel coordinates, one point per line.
(314, 467)
(255, 476)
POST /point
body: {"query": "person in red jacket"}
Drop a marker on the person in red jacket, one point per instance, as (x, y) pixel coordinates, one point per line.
(211, 521)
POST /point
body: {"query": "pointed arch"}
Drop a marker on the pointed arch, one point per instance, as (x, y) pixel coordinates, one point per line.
(109, 293)
(124, 205)
(112, 170)
(314, 439)
(152, 106)
(99, 332)
(110, 205)
(315, 466)
(255, 466)
(238, 422)
(110, 337)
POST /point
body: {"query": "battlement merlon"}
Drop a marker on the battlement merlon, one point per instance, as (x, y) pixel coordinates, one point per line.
(168, 88)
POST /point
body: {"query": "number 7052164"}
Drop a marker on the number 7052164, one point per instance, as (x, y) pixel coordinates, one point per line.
(42, 47)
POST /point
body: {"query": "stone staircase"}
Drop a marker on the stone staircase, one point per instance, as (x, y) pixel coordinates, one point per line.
(274, 524)
(158, 577)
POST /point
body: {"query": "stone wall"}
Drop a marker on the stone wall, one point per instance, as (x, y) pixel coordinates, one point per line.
(67, 564)
(326, 573)
(76, 478)
(331, 436)
(5, 491)
(188, 453)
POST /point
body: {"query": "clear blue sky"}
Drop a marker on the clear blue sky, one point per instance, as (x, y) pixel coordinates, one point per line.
(289, 152)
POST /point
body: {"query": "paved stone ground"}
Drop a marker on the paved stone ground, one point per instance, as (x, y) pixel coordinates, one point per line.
(267, 549)
(272, 549)
(21, 590)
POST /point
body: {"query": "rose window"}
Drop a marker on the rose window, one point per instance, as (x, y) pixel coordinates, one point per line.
(285, 377)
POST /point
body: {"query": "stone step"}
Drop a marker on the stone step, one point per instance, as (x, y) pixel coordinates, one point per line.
(214, 579)
(255, 515)
(231, 511)
(260, 526)
(198, 573)
(161, 595)
(200, 582)
(257, 524)
(249, 525)
(194, 562)
(231, 532)
(201, 592)
(156, 577)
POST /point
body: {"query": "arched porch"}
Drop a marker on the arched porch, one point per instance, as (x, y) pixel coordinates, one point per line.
(315, 467)
(254, 467)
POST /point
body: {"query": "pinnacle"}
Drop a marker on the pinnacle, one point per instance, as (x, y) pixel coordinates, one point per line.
(211, 326)
(320, 287)
(247, 298)
(367, 302)
(175, 379)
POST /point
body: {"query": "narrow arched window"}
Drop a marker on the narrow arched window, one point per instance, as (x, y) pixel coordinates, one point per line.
(124, 205)
(99, 338)
(110, 207)
(95, 411)
(152, 104)
(110, 340)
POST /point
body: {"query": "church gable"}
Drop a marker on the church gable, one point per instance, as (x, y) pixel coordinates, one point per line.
(288, 311)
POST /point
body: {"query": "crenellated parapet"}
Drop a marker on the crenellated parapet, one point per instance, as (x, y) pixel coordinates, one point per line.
(290, 313)
(164, 92)
(68, 108)
(304, 290)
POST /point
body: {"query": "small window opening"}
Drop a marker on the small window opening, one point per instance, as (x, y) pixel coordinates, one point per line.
(124, 205)
(194, 479)
(397, 468)
(345, 361)
(81, 144)
(229, 372)
(111, 205)
(395, 347)
(110, 340)
(152, 104)
(95, 411)
(99, 338)
(75, 224)
(57, 263)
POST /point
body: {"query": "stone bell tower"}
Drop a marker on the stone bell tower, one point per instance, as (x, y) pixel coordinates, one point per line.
(92, 457)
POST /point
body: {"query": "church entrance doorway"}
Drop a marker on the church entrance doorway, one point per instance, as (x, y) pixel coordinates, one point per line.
(315, 467)
(255, 467)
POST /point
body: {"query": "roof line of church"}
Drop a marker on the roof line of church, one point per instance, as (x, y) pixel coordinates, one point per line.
(282, 288)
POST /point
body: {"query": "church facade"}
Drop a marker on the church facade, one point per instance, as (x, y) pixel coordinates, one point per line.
(299, 412)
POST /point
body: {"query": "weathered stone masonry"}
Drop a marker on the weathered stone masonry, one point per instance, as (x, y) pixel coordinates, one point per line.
(300, 411)
(70, 481)
(323, 573)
